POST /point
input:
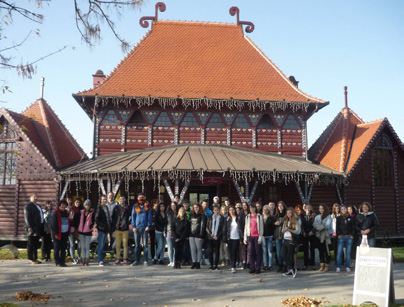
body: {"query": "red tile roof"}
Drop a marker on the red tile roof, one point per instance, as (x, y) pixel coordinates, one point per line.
(343, 142)
(42, 126)
(196, 60)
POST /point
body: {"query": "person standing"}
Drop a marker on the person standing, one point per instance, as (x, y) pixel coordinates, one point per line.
(323, 226)
(74, 216)
(111, 204)
(120, 222)
(141, 221)
(366, 224)
(345, 233)
(152, 230)
(161, 223)
(86, 225)
(290, 230)
(267, 241)
(34, 225)
(46, 246)
(253, 232)
(335, 213)
(60, 232)
(214, 230)
(180, 232)
(208, 213)
(278, 236)
(172, 212)
(233, 235)
(103, 221)
(309, 238)
(197, 233)
(244, 247)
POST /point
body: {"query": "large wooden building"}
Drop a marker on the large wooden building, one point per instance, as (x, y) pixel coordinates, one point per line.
(198, 108)
(372, 156)
(34, 146)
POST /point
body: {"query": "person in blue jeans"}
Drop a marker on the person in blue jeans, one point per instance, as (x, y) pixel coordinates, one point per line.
(141, 221)
(172, 212)
(267, 240)
(345, 234)
(278, 236)
(103, 221)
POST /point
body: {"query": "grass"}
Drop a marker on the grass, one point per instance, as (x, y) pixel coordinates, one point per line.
(8, 305)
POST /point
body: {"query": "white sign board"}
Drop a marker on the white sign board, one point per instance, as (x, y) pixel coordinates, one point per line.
(373, 277)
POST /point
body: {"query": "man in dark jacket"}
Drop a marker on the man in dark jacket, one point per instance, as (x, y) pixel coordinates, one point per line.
(120, 223)
(34, 226)
(103, 221)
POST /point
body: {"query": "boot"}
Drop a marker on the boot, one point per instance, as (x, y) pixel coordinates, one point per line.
(321, 267)
(198, 265)
(193, 266)
(326, 267)
(227, 262)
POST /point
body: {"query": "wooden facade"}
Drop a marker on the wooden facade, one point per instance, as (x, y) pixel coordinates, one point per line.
(27, 163)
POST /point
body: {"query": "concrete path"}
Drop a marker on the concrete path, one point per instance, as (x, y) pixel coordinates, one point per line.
(158, 285)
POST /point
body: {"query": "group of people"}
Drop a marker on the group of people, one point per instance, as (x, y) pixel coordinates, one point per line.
(242, 235)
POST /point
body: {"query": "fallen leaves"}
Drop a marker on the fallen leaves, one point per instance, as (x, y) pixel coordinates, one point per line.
(301, 301)
(30, 296)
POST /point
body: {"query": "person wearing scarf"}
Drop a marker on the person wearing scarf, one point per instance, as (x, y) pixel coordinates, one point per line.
(60, 231)
(103, 221)
(141, 221)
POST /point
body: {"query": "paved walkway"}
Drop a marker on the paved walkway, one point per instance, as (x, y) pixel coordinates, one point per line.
(162, 286)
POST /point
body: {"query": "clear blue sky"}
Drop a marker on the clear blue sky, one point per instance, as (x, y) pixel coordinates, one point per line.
(324, 44)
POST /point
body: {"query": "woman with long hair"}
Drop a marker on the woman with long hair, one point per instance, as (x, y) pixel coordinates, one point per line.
(290, 230)
(253, 232)
(224, 250)
(310, 241)
(323, 226)
(352, 210)
(172, 212)
(244, 247)
(160, 223)
(179, 232)
(74, 216)
(233, 235)
(86, 226)
(46, 245)
(366, 224)
(214, 230)
(267, 240)
(335, 213)
(278, 237)
(197, 233)
(299, 216)
(345, 232)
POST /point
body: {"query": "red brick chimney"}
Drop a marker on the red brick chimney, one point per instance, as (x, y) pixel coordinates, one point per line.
(98, 78)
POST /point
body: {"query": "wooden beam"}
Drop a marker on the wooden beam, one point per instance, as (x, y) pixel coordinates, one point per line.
(168, 188)
(101, 184)
(184, 190)
(253, 192)
(240, 194)
(64, 190)
(116, 187)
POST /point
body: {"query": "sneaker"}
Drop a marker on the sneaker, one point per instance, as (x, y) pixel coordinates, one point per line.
(101, 263)
(258, 272)
(216, 268)
(348, 270)
(135, 263)
(270, 268)
(211, 268)
(288, 273)
(233, 270)
(252, 271)
(171, 264)
(294, 273)
(74, 261)
(338, 270)
(155, 261)
(145, 263)
(63, 265)
(125, 262)
(117, 261)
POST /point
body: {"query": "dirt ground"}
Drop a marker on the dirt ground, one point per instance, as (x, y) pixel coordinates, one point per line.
(158, 285)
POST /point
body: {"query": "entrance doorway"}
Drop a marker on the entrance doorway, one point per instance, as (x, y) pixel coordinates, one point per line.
(201, 193)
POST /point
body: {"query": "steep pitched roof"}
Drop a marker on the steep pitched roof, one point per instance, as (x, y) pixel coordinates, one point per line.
(196, 60)
(343, 142)
(43, 127)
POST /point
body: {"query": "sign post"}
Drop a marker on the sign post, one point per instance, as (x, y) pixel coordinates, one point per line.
(374, 280)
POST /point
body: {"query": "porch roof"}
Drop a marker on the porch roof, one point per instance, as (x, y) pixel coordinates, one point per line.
(179, 161)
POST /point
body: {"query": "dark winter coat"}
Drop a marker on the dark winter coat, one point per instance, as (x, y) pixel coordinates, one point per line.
(307, 223)
(180, 228)
(56, 223)
(32, 218)
(227, 227)
(171, 216)
(209, 228)
(160, 222)
(116, 218)
(345, 226)
(102, 220)
(269, 226)
(197, 225)
(369, 221)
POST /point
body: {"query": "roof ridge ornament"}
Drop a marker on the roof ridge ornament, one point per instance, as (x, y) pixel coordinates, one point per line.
(159, 6)
(346, 96)
(250, 26)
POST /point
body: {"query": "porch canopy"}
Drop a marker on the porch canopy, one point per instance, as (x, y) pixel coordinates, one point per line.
(184, 161)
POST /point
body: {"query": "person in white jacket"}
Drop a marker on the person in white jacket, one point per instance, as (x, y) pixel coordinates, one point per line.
(253, 232)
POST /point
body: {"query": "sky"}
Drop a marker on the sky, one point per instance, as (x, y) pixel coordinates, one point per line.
(326, 45)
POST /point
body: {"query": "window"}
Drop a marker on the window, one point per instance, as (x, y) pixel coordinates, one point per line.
(382, 167)
(8, 163)
(266, 123)
(241, 122)
(110, 118)
(5, 130)
(291, 123)
(189, 121)
(163, 120)
(137, 120)
(215, 121)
